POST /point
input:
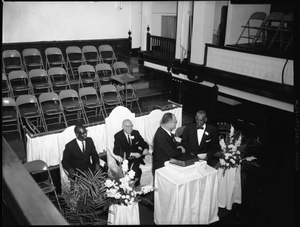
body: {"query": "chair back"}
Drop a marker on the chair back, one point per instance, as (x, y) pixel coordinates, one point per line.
(36, 166)
(120, 67)
(8, 101)
(275, 16)
(107, 88)
(26, 99)
(37, 73)
(32, 55)
(56, 71)
(48, 96)
(70, 93)
(258, 16)
(86, 68)
(87, 91)
(18, 74)
(74, 53)
(11, 58)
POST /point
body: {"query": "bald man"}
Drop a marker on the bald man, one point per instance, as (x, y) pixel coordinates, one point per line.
(129, 144)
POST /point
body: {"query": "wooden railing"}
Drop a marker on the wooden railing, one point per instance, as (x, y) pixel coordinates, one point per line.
(160, 47)
(22, 195)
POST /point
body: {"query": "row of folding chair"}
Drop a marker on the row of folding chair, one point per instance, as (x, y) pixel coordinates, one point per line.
(31, 58)
(276, 27)
(49, 109)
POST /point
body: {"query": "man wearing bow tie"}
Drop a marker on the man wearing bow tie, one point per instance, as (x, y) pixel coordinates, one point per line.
(201, 138)
(130, 145)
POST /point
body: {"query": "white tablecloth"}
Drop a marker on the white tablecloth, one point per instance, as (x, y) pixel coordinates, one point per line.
(124, 215)
(189, 199)
(230, 190)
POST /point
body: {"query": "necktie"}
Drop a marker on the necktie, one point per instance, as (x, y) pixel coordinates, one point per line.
(129, 140)
(83, 148)
(173, 137)
(200, 127)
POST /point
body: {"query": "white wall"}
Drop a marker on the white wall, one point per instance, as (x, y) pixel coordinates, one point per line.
(238, 16)
(136, 24)
(160, 8)
(202, 29)
(55, 21)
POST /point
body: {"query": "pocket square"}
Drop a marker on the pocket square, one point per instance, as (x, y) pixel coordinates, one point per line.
(208, 141)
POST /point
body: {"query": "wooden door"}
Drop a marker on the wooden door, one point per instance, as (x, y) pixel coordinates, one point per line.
(168, 26)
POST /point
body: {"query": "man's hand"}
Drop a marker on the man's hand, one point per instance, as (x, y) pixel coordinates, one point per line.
(145, 152)
(118, 158)
(135, 154)
(182, 149)
(71, 172)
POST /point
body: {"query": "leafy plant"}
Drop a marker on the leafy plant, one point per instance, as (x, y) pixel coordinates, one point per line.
(84, 200)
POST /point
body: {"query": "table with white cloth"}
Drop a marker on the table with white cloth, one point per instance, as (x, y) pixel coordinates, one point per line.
(124, 215)
(230, 190)
(190, 198)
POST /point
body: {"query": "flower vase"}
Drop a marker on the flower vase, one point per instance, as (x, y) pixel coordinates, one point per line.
(229, 190)
(124, 215)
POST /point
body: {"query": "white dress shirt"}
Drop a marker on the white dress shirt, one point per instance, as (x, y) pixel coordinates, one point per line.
(200, 133)
(80, 144)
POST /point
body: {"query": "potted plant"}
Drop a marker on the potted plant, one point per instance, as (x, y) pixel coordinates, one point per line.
(83, 201)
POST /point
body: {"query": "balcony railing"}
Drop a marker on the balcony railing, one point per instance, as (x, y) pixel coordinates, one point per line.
(160, 47)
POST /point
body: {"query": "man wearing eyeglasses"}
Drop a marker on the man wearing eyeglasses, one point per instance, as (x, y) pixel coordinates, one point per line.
(130, 145)
(78, 153)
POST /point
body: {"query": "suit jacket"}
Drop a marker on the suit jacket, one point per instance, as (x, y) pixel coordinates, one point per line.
(209, 143)
(122, 146)
(74, 158)
(164, 148)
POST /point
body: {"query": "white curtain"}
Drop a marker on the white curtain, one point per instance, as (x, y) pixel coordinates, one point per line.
(184, 23)
(49, 148)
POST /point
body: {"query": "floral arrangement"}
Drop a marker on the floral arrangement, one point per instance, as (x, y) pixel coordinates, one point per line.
(235, 152)
(121, 190)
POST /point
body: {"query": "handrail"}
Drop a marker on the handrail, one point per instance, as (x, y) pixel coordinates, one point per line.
(161, 47)
(22, 194)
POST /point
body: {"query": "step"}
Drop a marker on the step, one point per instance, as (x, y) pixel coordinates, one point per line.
(141, 85)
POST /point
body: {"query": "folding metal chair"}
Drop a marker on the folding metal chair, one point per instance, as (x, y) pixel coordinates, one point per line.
(59, 79)
(40, 81)
(254, 22)
(6, 88)
(31, 114)
(32, 59)
(269, 27)
(20, 83)
(104, 72)
(72, 106)
(91, 55)
(11, 61)
(88, 76)
(38, 167)
(107, 54)
(286, 27)
(54, 58)
(129, 96)
(75, 58)
(52, 110)
(110, 97)
(10, 116)
(92, 104)
(120, 67)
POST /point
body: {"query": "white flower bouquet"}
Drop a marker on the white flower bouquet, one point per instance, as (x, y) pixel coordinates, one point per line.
(121, 189)
(234, 151)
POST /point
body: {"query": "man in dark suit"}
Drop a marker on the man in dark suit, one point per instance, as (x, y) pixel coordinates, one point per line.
(129, 144)
(202, 138)
(78, 151)
(165, 145)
